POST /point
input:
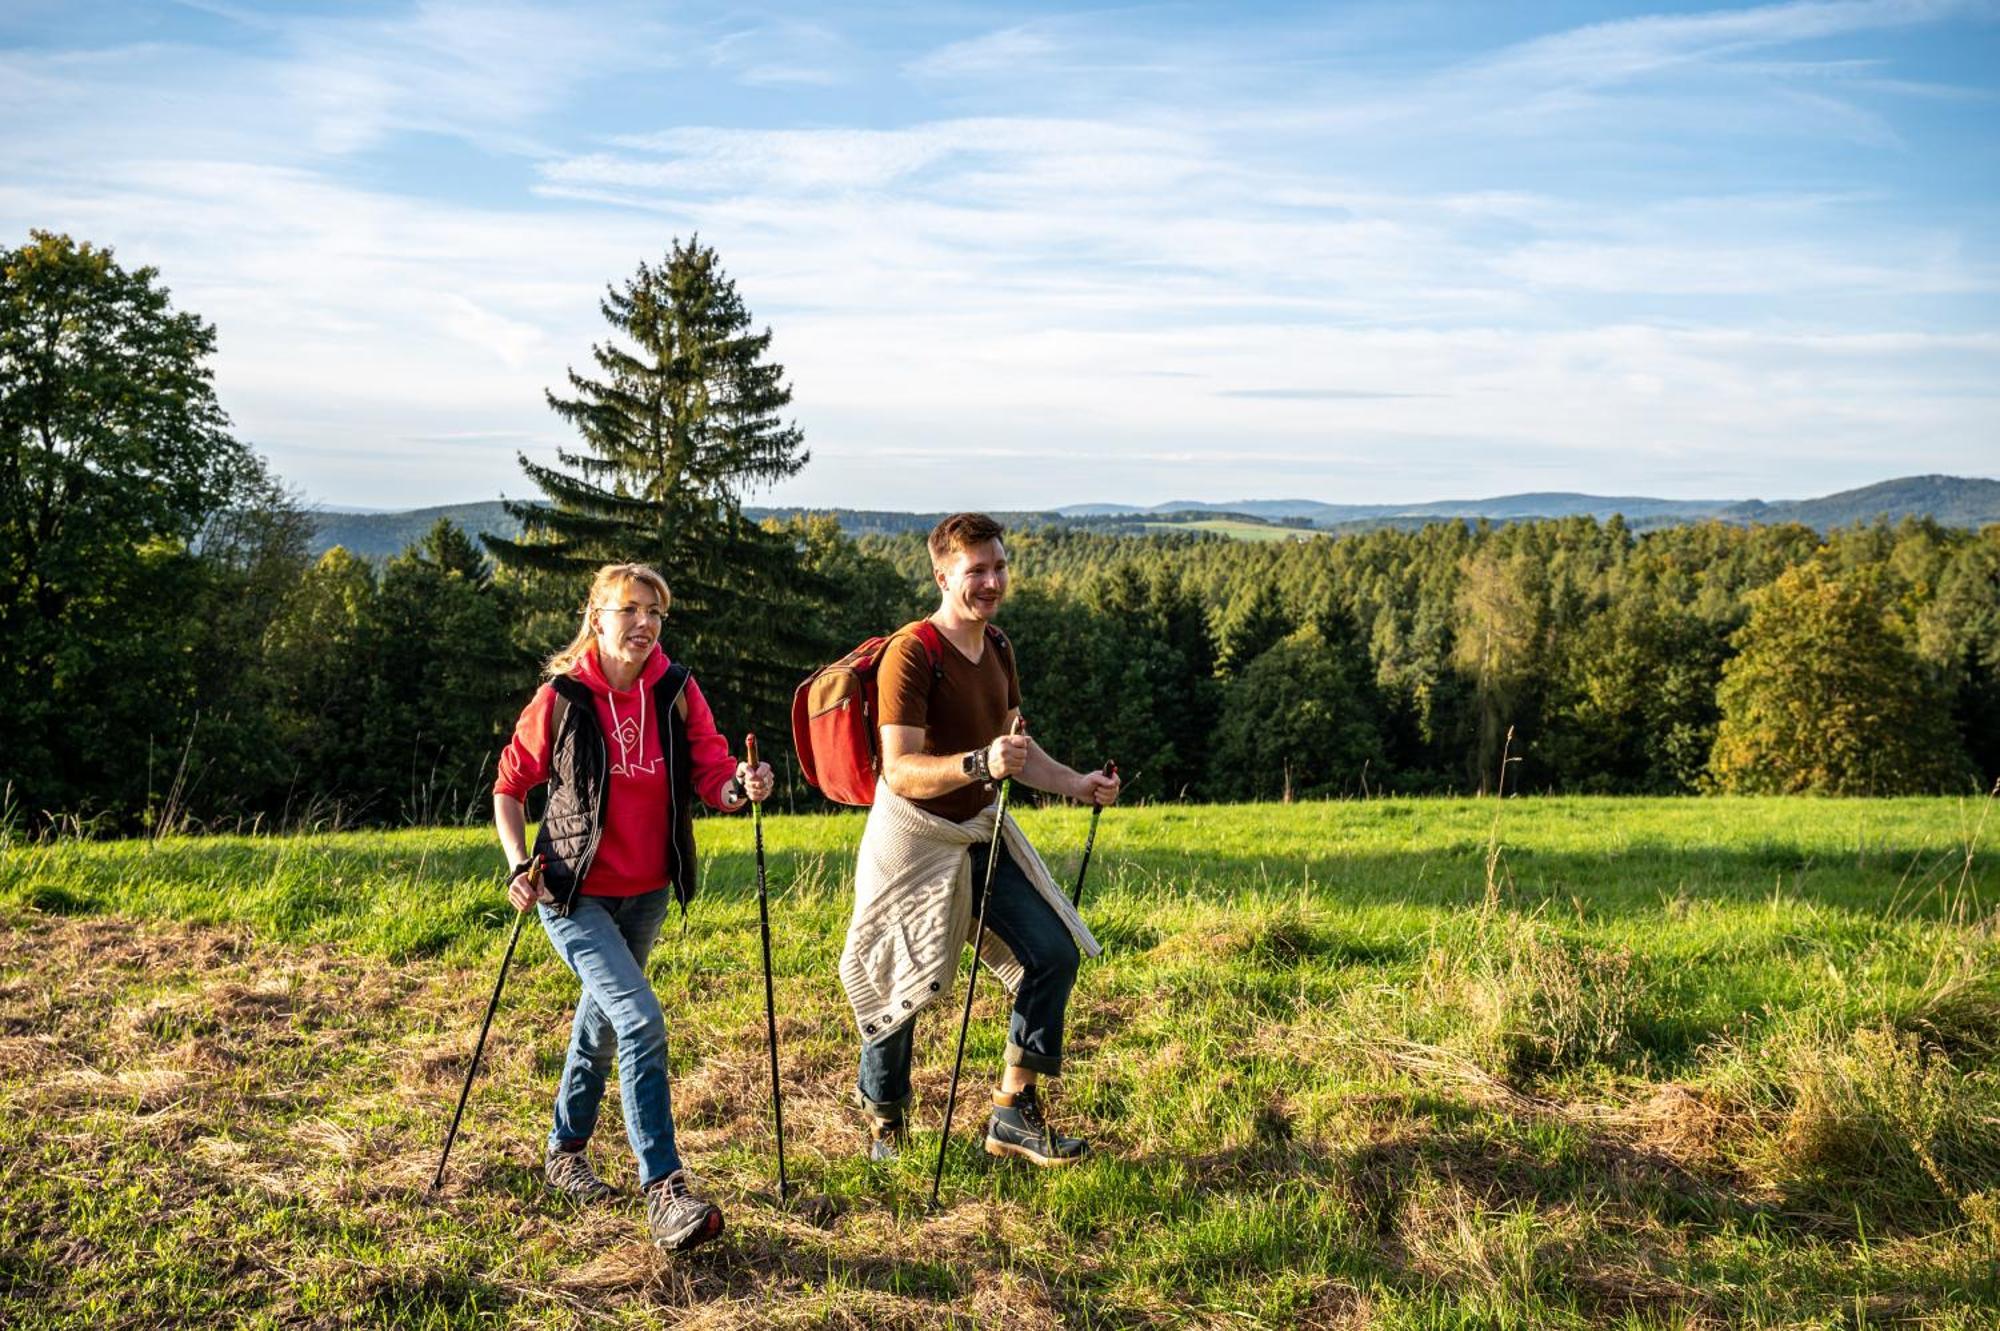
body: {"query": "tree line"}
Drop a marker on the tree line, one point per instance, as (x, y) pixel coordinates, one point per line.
(174, 658)
(1567, 655)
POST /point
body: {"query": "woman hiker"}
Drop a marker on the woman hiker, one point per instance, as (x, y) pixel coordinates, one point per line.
(625, 740)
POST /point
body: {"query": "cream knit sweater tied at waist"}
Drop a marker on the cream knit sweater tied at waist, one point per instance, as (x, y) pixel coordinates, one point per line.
(913, 910)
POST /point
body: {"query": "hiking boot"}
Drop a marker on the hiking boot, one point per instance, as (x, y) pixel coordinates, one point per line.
(1017, 1128)
(888, 1129)
(676, 1218)
(886, 1137)
(569, 1173)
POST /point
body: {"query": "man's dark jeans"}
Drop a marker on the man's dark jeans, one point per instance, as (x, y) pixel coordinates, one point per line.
(1035, 933)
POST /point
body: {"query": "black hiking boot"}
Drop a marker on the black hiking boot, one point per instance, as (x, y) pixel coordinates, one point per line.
(1018, 1129)
(677, 1219)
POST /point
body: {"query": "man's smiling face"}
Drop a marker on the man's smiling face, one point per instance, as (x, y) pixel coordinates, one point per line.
(974, 579)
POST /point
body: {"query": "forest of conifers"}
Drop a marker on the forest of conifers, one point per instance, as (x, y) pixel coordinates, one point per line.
(172, 656)
(252, 685)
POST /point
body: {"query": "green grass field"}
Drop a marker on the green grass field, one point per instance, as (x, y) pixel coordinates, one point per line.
(1242, 531)
(1401, 1063)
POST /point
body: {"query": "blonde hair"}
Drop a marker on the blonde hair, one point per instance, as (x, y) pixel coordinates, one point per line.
(611, 580)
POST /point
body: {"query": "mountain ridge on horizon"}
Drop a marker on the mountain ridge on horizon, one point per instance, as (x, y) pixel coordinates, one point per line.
(1958, 501)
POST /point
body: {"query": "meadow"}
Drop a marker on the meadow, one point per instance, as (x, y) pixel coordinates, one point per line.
(1235, 529)
(1541, 1062)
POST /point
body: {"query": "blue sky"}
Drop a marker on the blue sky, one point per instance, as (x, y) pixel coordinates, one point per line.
(1027, 256)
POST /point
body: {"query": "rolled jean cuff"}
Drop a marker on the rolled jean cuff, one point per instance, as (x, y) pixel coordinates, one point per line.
(879, 1109)
(1044, 1064)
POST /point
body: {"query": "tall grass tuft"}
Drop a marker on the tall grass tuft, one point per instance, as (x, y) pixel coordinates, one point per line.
(1523, 999)
(1958, 1018)
(1871, 1125)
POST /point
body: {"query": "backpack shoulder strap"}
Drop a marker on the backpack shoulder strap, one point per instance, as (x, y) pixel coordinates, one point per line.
(927, 634)
(559, 701)
(674, 683)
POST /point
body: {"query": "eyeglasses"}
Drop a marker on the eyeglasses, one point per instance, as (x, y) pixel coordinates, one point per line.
(632, 611)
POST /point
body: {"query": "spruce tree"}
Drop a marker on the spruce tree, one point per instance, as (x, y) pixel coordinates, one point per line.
(681, 416)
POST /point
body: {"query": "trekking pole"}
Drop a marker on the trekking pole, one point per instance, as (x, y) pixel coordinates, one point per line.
(472, 1070)
(770, 1002)
(972, 981)
(1076, 893)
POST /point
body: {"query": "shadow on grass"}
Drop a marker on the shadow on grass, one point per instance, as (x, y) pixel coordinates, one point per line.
(1901, 883)
(1432, 1207)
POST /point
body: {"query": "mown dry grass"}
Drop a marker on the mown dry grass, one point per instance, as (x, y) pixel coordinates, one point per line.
(1630, 1087)
(199, 1082)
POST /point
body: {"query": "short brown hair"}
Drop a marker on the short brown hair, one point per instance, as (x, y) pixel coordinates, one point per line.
(962, 531)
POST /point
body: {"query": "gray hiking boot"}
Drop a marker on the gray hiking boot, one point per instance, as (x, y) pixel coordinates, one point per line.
(676, 1218)
(1018, 1129)
(569, 1173)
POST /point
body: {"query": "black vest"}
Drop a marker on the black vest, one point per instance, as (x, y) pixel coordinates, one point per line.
(580, 789)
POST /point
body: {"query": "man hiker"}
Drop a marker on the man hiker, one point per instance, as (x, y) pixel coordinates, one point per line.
(949, 695)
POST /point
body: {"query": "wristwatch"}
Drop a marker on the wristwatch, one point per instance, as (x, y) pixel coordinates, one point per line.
(974, 765)
(520, 868)
(736, 792)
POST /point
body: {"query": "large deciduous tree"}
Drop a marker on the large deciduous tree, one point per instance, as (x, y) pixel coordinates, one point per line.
(1825, 696)
(114, 457)
(682, 415)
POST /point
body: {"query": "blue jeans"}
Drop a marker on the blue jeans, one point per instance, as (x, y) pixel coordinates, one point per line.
(1039, 940)
(604, 940)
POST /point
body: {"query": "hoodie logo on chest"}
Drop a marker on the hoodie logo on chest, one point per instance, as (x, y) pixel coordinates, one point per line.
(631, 758)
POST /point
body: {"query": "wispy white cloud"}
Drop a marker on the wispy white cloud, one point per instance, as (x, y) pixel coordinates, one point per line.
(780, 52)
(483, 71)
(1003, 52)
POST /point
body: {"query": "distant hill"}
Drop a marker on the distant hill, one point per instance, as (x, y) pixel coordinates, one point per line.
(1956, 501)
(1503, 507)
(384, 535)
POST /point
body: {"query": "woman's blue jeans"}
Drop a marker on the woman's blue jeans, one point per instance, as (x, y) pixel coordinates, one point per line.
(1038, 938)
(605, 940)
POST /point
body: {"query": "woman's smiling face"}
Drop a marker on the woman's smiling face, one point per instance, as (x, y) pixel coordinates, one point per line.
(628, 625)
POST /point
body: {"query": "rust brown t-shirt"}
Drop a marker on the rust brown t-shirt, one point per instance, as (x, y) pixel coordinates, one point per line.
(963, 706)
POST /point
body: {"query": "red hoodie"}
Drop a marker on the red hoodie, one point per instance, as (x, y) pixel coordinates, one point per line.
(632, 853)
